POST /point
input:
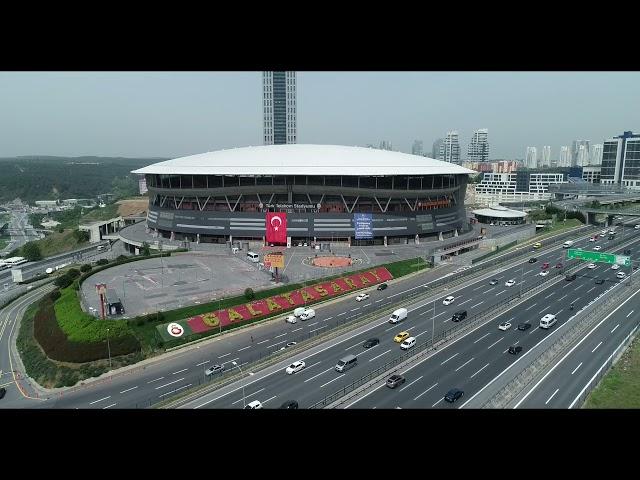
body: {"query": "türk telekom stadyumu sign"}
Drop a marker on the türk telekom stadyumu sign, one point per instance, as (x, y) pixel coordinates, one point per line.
(281, 303)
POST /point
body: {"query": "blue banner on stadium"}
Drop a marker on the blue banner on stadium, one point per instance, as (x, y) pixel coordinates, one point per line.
(363, 225)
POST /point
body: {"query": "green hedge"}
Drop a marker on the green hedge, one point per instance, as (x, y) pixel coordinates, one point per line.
(499, 249)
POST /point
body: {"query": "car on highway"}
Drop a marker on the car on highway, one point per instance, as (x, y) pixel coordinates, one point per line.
(515, 349)
(459, 316)
(401, 337)
(602, 234)
(524, 326)
(597, 248)
(592, 239)
(494, 281)
(291, 319)
(289, 405)
(290, 344)
(570, 277)
(453, 395)
(213, 370)
(382, 286)
(504, 326)
(599, 281)
(591, 266)
(615, 266)
(636, 227)
(537, 245)
(544, 273)
(362, 296)
(621, 275)
(308, 313)
(3, 392)
(545, 265)
(295, 367)
(449, 300)
(533, 260)
(408, 343)
(559, 265)
(255, 405)
(395, 380)
(372, 342)
(510, 283)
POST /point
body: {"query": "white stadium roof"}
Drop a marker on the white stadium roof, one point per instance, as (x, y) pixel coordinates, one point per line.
(498, 211)
(296, 159)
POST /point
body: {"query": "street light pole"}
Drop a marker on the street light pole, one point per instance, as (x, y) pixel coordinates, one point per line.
(108, 347)
(243, 397)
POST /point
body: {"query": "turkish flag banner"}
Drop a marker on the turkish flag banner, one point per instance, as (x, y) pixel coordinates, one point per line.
(276, 224)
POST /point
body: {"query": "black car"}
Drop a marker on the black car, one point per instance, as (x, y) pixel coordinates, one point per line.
(290, 404)
(515, 349)
(493, 282)
(453, 395)
(627, 252)
(461, 315)
(394, 380)
(372, 342)
(570, 277)
(599, 281)
(3, 392)
(382, 286)
(524, 326)
(533, 260)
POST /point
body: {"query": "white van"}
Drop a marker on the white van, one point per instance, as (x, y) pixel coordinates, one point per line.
(307, 314)
(408, 343)
(399, 315)
(548, 321)
(254, 257)
(567, 244)
(346, 363)
(299, 311)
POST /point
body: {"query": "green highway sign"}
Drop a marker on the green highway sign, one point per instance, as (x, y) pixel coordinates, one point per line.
(576, 253)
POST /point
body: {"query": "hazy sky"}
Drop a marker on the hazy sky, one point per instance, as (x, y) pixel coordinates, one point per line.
(171, 114)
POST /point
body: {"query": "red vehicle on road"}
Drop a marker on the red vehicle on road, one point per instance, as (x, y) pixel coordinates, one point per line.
(545, 265)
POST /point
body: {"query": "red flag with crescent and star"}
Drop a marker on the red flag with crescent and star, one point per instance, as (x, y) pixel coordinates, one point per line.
(276, 223)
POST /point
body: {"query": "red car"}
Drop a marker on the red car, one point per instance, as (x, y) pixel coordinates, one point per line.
(545, 265)
(558, 265)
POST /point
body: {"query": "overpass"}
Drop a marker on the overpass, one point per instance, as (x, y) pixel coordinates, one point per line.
(589, 189)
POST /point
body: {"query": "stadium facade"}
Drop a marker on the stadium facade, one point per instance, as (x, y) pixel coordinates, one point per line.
(306, 193)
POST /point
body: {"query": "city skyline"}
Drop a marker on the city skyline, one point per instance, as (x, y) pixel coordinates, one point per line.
(172, 114)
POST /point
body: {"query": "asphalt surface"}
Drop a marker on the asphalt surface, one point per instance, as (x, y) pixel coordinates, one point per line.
(563, 386)
(319, 378)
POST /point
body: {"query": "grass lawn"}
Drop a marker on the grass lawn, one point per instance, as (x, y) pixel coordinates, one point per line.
(558, 227)
(620, 388)
(106, 213)
(56, 243)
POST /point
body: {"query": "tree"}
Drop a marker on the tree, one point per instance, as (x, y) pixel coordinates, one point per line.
(31, 251)
(85, 268)
(81, 235)
(145, 249)
(249, 294)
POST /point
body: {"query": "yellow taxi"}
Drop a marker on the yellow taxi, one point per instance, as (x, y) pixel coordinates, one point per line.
(537, 245)
(399, 338)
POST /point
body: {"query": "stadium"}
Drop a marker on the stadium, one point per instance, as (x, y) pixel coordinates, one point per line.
(290, 194)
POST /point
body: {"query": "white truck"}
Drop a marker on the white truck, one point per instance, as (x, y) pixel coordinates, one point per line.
(398, 315)
(567, 244)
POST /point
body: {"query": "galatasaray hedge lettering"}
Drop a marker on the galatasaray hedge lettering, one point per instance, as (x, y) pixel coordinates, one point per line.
(276, 304)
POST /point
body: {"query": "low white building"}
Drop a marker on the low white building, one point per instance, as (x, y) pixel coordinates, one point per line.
(499, 215)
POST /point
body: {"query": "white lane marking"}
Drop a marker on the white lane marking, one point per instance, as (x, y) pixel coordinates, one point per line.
(278, 336)
(174, 391)
(439, 314)
(180, 371)
(311, 324)
(553, 395)
(202, 363)
(629, 314)
(324, 371)
(383, 353)
(352, 346)
(343, 313)
(501, 292)
(407, 386)
(233, 360)
(546, 308)
(222, 356)
(354, 309)
(109, 406)
(437, 402)
(424, 313)
(279, 343)
(316, 329)
(478, 288)
(328, 318)
(268, 339)
(170, 383)
(426, 390)
(244, 348)
(455, 354)
(250, 395)
(494, 343)
(576, 369)
(614, 328)
(482, 337)
(366, 305)
(296, 329)
(551, 294)
(129, 389)
(391, 328)
(325, 384)
(462, 303)
(492, 288)
(473, 358)
(381, 300)
(265, 401)
(590, 289)
(313, 365)
(474, 306)
(531, 306)
(156, 380)
(479, 371)
(596, 347)
(563, 297)
(100, 400)
(534, 329)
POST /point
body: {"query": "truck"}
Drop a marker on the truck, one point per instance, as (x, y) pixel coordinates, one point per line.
(398, 315)
(567, 244)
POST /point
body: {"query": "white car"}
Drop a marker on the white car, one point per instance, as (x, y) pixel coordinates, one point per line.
(615, 266)
(290, 344)
(637, 227)
(591, 239)
(255, 405)
(295, 367)
(504, 326)
(544, 273)
(510, 283)
(291, 319)
(603, 234)
(449, 300)
(597, 248)
(591, 266)
(308, 313)
(621, 275)
(362, 296)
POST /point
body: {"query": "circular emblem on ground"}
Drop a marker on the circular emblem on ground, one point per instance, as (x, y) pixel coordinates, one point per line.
(175, 329)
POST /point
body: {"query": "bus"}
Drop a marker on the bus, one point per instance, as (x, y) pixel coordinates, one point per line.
(14, 261)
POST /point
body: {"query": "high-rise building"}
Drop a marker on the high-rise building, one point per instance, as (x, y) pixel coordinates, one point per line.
(595, 154)
(583, 156)
(416, 149)
(621, 161)
(479, 147)
(546, 156)
(575, 150)
(435, 151)
(279, 107)
(450, 148)
(531, 159)
(565, 157)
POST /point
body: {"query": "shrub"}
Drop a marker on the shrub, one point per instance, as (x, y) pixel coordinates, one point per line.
(121, 258)
(249, 294)
(85, 268)
(81, 235)
(53, 296)
(145, 249)
(102, 261)
(61, 230)
(73, 273)
(31, 252)
(63, 282)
